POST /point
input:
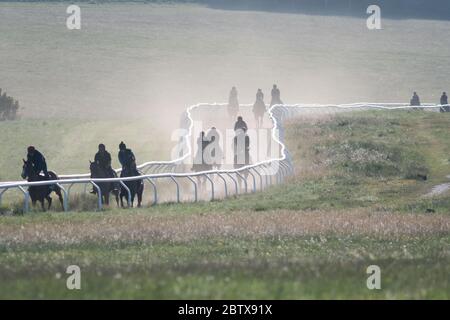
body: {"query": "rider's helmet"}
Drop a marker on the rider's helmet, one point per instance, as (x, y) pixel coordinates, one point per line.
(101, 147)
(122, 146)
(31, 149)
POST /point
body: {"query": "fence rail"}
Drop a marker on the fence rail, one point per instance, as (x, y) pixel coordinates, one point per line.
(280, 168)
(264, 171)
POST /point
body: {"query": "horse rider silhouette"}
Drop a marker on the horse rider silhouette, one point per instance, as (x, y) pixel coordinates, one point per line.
(37, 160)
(127, 160)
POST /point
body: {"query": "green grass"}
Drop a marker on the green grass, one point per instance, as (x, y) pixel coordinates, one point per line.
(356, 201)
(233, 269)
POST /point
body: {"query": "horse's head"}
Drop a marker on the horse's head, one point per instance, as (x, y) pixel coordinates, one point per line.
(96, 170)
(27, 170)
(93, 167)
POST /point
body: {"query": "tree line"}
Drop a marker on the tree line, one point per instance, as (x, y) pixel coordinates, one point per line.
(439, 9)
(9, 107)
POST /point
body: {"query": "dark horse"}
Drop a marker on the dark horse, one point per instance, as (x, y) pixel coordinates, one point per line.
(40, 193)
(259, 109)
(105, 187)
(136, 186)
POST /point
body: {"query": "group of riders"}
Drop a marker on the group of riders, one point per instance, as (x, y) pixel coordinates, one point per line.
(101, 167)
(35, 169)
(259, 107)
(102, 159)
(209, 153)
(127, 159)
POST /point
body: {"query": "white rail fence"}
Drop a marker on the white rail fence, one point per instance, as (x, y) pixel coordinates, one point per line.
(261, 174)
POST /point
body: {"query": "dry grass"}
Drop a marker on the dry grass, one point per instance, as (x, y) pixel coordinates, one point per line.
(175, 228)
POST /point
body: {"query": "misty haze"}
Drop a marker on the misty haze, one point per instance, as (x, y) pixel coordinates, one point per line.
(225, 149)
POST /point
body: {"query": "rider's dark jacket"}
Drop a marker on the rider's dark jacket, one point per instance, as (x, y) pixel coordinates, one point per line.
(444, 99)
(126, 157)
(415, 101)
(240, 124)
(38, 161)
(103, 159)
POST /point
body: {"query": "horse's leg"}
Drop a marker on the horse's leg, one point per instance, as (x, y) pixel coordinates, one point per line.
(107, 198)
(49, 200)
(140, 193)
(61, 200)
(121, 199)
(133, 194)
(42, 204)
(116, 194)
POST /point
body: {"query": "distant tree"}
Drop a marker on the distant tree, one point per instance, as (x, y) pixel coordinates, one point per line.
(8, 107)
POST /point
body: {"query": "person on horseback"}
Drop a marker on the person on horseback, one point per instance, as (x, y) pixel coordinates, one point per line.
(213, 154)
(259, 95)
(103, 159)
(129, 169)
(233, 103)
(127, 160)
(37, 160)
(240, 124)
(241, 147)
(275, 96)
(259, 108)
(200, 164)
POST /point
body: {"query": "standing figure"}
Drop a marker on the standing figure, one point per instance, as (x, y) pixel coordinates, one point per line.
(275, 96)
(259, 108)
(240, 124)
(415, 100)
(233, 103)
(445, 107)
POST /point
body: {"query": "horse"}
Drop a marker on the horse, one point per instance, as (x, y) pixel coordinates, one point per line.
(105, 187)
(259, 109)
(136, 187)
(40, 193)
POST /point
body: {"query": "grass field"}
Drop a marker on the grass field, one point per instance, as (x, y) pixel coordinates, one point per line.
(356, 200)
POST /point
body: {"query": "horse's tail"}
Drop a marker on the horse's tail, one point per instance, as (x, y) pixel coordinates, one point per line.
(53, 175)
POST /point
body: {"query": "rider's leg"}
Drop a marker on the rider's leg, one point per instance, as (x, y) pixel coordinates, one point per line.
(44, 170)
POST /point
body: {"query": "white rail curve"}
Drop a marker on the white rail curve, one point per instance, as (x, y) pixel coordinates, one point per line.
(278, 168)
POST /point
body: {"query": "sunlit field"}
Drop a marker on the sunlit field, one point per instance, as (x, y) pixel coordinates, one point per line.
(313, 237)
